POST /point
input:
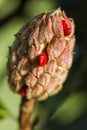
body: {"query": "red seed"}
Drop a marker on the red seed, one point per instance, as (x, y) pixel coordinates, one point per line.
(64, 24)
(66, 28)
(67, 32)
(42, 59)
(23, 91)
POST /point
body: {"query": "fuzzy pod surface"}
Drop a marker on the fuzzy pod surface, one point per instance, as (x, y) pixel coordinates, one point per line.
(41, 55)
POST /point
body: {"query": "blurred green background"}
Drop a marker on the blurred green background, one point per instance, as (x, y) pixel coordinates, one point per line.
(66, 110)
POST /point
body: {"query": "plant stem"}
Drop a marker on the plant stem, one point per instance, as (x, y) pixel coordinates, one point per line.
(26, 109)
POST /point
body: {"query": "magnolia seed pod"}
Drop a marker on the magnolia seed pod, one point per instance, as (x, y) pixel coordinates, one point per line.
(41, 55)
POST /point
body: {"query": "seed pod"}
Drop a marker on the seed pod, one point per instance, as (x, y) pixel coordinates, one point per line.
(41, 55)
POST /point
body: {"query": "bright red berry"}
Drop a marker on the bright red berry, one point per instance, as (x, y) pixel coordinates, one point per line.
(42, 59)
(66, 28)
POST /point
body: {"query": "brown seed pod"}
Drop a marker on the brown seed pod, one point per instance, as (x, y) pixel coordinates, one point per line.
(41, 55)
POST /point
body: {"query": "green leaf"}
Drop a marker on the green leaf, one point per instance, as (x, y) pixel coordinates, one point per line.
(72, 108)
(32, 9)
(7, 7)
(4, 112)
(8, 124)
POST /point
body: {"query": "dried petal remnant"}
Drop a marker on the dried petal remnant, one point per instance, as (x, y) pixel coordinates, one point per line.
(41, 56)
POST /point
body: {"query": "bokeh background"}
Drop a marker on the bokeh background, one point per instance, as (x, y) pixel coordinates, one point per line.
(66, 110)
